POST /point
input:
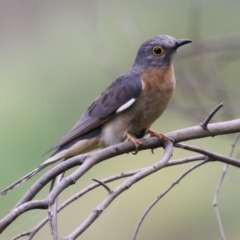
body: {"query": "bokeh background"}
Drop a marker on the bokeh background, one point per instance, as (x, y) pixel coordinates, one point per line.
(57, 56)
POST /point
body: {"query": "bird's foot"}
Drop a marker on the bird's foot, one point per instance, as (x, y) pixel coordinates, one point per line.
(159, 135)
(136, 142)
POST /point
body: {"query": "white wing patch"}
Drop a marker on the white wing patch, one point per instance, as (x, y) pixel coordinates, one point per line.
(143, 84)
(126, 105)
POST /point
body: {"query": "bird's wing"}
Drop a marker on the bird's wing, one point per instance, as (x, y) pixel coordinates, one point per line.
(120, 95)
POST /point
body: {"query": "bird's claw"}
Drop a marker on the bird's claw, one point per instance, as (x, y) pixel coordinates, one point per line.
(136, 142)
(159, 135)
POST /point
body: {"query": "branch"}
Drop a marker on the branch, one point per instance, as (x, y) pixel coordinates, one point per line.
(121, 148)
(106, 180)
(215, 199)
(210, 116)
(87, 161)
(163, 194)
(121, 188)
(53, 212)
(221, 158)
(104, 185)
(215, 129)
(21, 235)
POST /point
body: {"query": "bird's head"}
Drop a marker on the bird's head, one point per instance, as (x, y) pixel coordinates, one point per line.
(158, 51)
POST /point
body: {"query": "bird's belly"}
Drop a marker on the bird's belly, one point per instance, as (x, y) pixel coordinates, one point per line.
(115, 129)
(152, 105)
(137, 119)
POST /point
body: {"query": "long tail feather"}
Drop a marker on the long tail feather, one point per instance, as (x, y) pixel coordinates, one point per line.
(21, 180)
(48, 162)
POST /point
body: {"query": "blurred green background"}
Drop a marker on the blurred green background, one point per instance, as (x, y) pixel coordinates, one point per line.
(57, 56)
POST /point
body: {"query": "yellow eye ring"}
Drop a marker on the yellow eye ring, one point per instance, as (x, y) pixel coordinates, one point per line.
(157, 51)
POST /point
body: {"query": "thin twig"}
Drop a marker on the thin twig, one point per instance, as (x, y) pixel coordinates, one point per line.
(80, 194)
(104, 185)
(91, 159)
(106, 180)
(50, 219)
(54, 211)
(221, 158)
(110, 179)
(179, 136)
(204, 124)
(215, 199)
(234, 144)
(21, 235)
(163, 194)
(121, 188)
(54, 229)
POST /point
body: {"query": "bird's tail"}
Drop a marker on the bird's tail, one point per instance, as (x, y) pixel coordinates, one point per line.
(21, 180)
(48, 162)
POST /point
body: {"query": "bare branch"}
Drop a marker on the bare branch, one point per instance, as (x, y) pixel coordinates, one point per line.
(197, 132)
(210, 116)
(96, 157)
(106, 180)
(221, 158)
(21, 235)
(78, 195)
(234, 144)
(163, 194)
(121, 188)
(87, 161)
(215, 199)
(103, 184)
(53, 209)
(50, 219)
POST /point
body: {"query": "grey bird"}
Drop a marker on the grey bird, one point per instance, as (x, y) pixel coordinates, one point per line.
(126, 110)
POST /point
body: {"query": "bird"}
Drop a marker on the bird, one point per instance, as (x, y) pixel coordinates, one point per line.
(127, 108)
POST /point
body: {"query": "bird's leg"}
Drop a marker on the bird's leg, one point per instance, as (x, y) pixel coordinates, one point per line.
(159, 135)
(136, 142)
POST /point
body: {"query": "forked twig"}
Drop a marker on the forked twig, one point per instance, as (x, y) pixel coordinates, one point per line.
(106, 180)
(121, 188)
(215, 199)
(21, 235)
(163, 194)
(87, 161)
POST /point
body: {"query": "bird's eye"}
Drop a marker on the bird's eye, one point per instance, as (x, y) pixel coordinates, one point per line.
(157, 51)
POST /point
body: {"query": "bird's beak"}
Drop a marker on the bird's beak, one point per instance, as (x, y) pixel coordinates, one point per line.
(181, 42)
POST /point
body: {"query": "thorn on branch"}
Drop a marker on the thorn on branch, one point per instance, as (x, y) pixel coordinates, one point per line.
(110, 191)
(209, 117)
